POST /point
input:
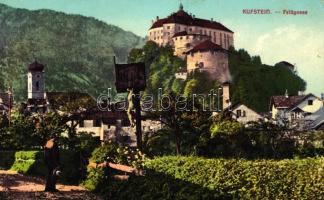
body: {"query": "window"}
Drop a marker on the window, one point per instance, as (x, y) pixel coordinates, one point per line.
(187, 37)
(238, 113)
(168, 27)
(310, 102)
(221, 40)
(190, 29)
(180, 38)
(224, 40)
(81, 124)
(96, 123)
(244, 113)
(178, 28)
(37, 86)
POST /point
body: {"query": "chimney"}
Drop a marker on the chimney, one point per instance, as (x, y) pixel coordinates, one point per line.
(157, 18)
(226, 95)
(286, 94)
(212, 19)
(193, 16)
(322, 96)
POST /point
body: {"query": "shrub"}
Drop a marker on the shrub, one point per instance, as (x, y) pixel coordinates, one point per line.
(111, 152)
(32, 163)
(200, 178)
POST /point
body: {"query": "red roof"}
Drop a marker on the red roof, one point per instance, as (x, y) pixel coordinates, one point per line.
(286, 102)
(181, 17)
(182, 33)
(206, 45)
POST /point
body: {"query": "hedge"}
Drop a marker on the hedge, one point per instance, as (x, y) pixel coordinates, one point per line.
(32, 163)
(200, 178)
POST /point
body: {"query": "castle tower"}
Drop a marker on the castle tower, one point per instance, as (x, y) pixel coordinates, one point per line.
(36, 84)
(226, 95)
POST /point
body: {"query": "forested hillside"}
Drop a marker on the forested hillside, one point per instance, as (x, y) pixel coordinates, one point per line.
(77, 51)
(253, 83)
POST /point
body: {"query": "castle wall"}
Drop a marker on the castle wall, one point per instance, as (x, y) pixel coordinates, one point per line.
(214, 62)
(184, 43)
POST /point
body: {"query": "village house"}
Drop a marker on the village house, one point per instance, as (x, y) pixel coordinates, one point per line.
(294, 109)
(315, 120)
(242, 113)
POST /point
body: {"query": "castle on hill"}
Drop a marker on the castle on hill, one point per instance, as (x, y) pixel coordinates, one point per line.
(202, 43)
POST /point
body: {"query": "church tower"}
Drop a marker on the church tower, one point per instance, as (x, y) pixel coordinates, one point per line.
(36, 84)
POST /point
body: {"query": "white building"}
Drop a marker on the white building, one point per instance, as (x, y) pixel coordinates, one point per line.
(294, 109)
(242, 113)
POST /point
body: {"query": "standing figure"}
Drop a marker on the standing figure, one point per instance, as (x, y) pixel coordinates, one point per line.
(52, 161)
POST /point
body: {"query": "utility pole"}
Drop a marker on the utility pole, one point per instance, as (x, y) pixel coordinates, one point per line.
(10, 103)
(138, 118)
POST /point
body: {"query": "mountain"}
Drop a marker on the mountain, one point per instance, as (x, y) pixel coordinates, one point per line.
(77, 51)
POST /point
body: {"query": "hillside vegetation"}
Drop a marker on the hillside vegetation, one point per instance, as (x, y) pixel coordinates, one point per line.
(253, 83)
(77, 51)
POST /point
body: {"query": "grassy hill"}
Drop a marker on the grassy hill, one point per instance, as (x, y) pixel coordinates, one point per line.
(77, 51)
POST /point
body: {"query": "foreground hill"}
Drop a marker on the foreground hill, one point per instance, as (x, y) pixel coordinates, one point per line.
(77, 51)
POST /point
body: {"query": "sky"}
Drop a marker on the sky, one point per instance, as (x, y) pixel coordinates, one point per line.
(298, 39)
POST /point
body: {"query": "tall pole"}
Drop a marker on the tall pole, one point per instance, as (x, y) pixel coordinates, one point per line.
(137, 105)
(10, 99)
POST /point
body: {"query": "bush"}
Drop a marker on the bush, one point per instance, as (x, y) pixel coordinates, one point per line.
(200, 178)
(111, 152)
(32, 163)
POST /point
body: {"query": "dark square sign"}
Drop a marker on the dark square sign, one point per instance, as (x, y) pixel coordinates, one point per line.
(130, 76)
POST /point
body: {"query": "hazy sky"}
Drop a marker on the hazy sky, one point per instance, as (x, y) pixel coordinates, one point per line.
(275, 37)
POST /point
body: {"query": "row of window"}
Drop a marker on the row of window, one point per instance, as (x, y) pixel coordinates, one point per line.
(190, 30)
(240, 113)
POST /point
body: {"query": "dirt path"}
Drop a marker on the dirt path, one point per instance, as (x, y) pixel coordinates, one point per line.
(15, 186)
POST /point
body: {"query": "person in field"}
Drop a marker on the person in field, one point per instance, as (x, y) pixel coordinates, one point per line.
(52, 161)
